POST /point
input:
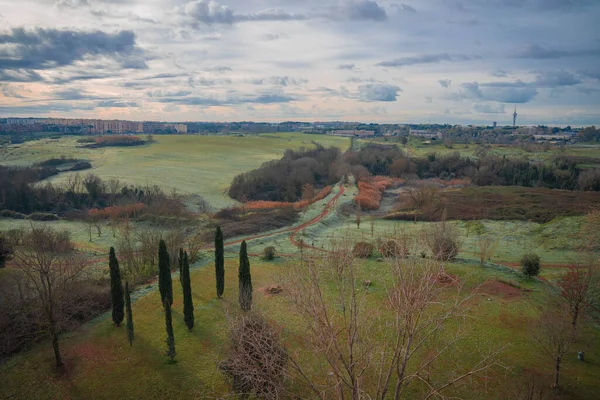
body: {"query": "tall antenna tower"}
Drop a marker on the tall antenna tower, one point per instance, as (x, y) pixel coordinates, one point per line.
(515, 117)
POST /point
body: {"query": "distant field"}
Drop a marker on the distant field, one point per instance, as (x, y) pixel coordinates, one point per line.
(202, 165)
(589, 153)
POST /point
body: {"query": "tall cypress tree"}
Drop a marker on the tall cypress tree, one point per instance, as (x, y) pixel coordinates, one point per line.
(171, 353)
(116, 289)
(180, 262)
(245, 280)
(219, 262)
(165, 285)
(128, 314)
(188, 304)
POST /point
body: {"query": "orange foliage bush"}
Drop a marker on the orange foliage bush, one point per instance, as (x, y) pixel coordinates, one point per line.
(370, 193)
(128, 210)
(261, 205)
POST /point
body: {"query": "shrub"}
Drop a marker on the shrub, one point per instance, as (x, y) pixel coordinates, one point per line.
(11, 214)
(363, 250)
(443, 241)
(394, 248)
(40, 216)
(530, 264)
(269, 253)
(256, 360)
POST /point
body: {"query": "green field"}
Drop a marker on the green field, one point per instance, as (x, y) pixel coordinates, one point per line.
(203, 165)
(101, 364)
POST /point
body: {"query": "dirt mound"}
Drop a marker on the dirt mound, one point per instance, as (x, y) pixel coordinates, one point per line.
(446, 279)
(500, 289)
(271, 290)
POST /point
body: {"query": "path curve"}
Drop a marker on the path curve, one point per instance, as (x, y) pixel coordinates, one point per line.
(326, 210)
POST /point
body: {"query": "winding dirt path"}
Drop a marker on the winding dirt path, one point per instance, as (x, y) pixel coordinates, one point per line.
(294, 230)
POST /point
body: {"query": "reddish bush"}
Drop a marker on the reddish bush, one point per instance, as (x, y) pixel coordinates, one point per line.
(262, 205)
(129, 210)
(363, 250)
(394, 248)
(370, 193)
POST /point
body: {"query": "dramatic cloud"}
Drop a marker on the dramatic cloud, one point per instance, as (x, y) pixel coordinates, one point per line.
(41, 49)
(115, 104)
(279, 81)
(378, 92)
(425, 59)
(535, 51)
(274, 60)
(363, 10)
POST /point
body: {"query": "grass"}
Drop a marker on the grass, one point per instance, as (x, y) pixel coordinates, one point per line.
(101, 364)
(203, 165)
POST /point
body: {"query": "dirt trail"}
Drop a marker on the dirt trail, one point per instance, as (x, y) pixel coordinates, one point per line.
(294, 230)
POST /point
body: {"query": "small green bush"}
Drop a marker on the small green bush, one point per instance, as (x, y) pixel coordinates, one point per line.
(11, 214)
(269, 253)
(530, 264)
(39, 216)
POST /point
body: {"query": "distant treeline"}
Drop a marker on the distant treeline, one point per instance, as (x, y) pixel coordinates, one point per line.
(282, 180)
(22, 192)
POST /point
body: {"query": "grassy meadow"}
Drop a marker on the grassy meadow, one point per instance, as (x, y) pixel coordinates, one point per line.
(102, 365)
(203, 165)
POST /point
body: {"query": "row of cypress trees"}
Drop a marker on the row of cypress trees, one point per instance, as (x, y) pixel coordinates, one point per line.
(244, 277)
(121, 302)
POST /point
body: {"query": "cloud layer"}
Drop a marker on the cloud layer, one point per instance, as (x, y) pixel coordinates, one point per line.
(365, 60)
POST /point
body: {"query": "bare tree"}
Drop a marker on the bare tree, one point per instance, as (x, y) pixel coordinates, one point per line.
(50, 264)
(256, 360)
(487, 245)
(579, 289)
(553, 335)
(371, 350)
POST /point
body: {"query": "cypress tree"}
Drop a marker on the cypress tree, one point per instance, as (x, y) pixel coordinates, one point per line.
(219, 262)
(245, 280)
(180, 262)
(116, 289)
(171, 353)
(188, 304)
(165, 285)
(128, 314)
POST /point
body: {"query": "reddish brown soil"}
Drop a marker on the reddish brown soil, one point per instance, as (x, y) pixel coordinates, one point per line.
(500, 289)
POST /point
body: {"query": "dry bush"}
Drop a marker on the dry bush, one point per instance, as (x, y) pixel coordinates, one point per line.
(269, 253)
(443, 241)
(256, 361)
(423, 195)
(394, 248)
(362, 250)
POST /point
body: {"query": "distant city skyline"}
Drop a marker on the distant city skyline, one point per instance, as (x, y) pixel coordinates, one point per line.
(380, 61)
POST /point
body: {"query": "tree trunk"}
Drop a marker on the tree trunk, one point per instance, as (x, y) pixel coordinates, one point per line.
(59, 363)
(556, 372)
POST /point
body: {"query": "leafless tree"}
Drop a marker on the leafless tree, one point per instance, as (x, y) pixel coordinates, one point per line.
(487, 245)
(256, 360)
(423, 195)
(580, 289)
(371, 350)
(195, 244)
(50, 265)
(443, 240)
(553, 335)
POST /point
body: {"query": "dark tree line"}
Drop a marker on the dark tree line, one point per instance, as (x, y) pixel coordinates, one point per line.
(21, 191)
(283, 180)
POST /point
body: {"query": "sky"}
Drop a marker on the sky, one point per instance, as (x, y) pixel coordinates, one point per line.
(415, 61)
